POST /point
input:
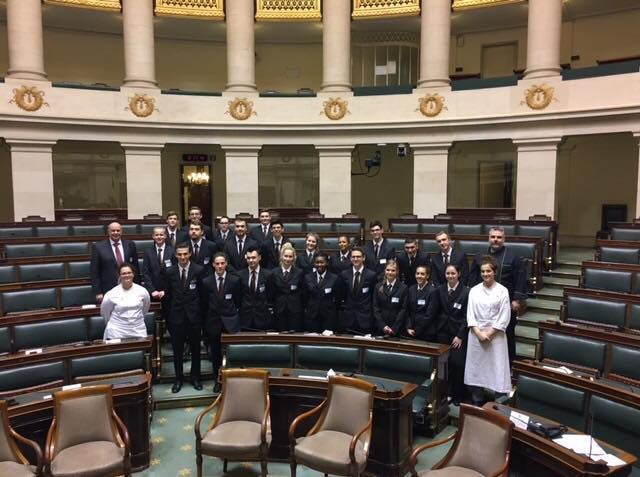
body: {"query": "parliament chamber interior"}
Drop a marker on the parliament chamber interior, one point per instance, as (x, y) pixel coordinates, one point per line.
(307, 237)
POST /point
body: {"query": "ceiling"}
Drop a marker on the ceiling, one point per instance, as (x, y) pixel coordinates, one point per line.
(465, 21)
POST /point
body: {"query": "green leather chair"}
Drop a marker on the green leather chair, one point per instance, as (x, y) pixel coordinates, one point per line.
(24, 378)
(406, 228)
(150, 323)
(90, 368)
(259, 355)
(632, 235)
(543, 231)
(77, 296)
(26, 250)
(96, 328)
(143, 245)
(41, 271)
(29, 300)
(574, 350)
(616, 424)
(88, 230)
(147, 229)
(347, 228)
(130, 229)
(49, 333)
(620, 255)
(79, 269)
(397, 243)
(298, 243)
(429, 246)
(625, 361)
(467, 229)
(509, 230)
(553, 401)
(319, 227)
(610, 280)
(473, 247)
(634, 319)
(8, 274)
(5, 340)
(14, 232)
(330, 243)
(434, 228)
(596, 311)
(293, 227)
(69, 248)
(338, 358)
(53, 231)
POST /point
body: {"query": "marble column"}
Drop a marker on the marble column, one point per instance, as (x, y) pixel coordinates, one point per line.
(637, 212)
(335, 180)
(24, 32)
(536, 178)
(543, 38)
(32, 178)
(336, 45)
(242, 179)
(241, 58)
(139, 46)
(430, 162)
(435, 32)
(144, 179)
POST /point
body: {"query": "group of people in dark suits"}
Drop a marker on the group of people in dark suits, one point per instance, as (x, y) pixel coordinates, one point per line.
(224, 281)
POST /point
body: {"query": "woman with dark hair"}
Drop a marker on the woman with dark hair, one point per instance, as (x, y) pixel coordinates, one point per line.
(124, 306)
(488, 314)
(418, 299)
(390, 302)
(448, 312)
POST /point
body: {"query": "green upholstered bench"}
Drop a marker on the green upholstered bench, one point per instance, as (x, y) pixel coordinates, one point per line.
(88, 230)
(523, 249)
(625, 362)
(5, 340)
(147, 229)
(8, 274)
(319, 227)
(15, 232)
(467, 229)
(130, 229)
(26, 250)
(298, 243)
(573, 350)
(96, 328)
(509, 230)
(41, 271)
(405, 227)
(473, 247)
(90, 368)
(76, 296)
(550, 400)
(620, 255)
(616, 424)
(293, 227)
(27, 378)
(434, 228)
(338, 358)
(53, 231)
(595, 311)
(79, 269)
(429, 246)
(28, 300)
(610, 280)
(396, 243)
(143, 245)
(69, 248)
(347, 228)
(259, 355)
(632, 235)
(49, 333)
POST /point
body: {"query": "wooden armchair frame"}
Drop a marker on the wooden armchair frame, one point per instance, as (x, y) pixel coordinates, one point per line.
(13, 436)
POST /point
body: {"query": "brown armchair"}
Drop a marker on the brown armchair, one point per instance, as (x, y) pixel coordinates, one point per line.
(481, 447)
(86, 436)
(241, 428)
(12, 461)
(339, 442)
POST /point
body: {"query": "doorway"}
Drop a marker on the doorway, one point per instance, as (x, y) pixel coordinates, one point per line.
(196, 189)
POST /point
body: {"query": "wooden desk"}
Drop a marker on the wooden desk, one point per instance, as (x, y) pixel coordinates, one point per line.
(31, 414)
(536, 456)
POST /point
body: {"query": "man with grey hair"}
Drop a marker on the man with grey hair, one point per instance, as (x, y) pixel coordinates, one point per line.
(511, 274)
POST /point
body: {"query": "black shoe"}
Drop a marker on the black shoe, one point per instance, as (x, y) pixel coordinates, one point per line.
(177, 386)
(217, 388)
(197, 385)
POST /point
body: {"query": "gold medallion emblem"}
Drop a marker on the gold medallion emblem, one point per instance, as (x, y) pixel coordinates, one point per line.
(431, 105)
(29, 98)
(335, 108)
(142, 105)
(539, 97)
(241, 109)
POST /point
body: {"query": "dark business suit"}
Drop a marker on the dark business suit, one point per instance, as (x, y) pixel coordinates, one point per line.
(185, 317)
(357, 315)
(254, 304)
(456, 258)
(256, 233)
(512, 275)
(219, 240)
(178, 237)
(408, 266)
(104, 268)
(238, 262)
(270, 256)
(418, 318)
(322, 302)
(378, 263)
(154, 273)
(304, 262)
(390, 307)
(207, 233)
(286, 296)
(450, 315)
(221, 313)
(205, 255)
(338, 265)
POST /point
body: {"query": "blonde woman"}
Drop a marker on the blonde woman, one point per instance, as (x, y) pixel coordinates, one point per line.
(286, 282)
(306, 258)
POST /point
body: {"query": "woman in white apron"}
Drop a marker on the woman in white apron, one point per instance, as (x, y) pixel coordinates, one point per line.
(124, 306)
(488, 314)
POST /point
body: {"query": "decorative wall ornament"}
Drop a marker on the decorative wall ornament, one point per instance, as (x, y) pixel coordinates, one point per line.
(335, 108)
(211, 9)
(397, 37)
(113, 5)
(241, 109)
(431, 104)
(29, 98)
(469, 4)
(539, 97)
(306, 10)
(142, 105)
(384, 8)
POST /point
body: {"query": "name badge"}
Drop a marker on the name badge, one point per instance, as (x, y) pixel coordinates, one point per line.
(457, 306)
(167, 263)
(395, 299)
(192, 286)
(327, 291)
(422, 302)
(206, 260)
(313, 269)
(228, 296)
(261, 289)
(365, 290)
(131, 259)
(383, 261)
(294, 287)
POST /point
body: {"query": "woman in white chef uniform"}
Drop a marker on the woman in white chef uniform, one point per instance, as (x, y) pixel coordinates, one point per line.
(488, 314)
(124, 306)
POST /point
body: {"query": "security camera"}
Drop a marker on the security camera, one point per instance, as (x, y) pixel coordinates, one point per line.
(375, 161)
(401, 150)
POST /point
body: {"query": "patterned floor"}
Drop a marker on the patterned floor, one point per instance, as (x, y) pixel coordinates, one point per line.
(173, 450)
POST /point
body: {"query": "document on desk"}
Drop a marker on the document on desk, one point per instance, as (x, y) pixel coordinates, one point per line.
(519, 420)
(317, 378)
(587, 445)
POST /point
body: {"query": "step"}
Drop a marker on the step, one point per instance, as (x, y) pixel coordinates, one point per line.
(575, 254)
(549, 294)
(525, 350)
(527, 334)
(167, 374)
(532, 318)
(538, 304)
(163, 398)
(560, 282)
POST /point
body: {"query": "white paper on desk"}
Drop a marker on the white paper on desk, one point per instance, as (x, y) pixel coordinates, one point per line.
(519, 420)
(317, 378)
(611, 460)
(561, 369)
(85, 307)
(365, 337)
(581, 444)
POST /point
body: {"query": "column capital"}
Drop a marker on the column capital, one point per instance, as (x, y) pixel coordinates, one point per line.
(431, 148)
(29, 145)
(636, 134)
(240, 150)
(136, 148)
(537, 144)
(335, 151)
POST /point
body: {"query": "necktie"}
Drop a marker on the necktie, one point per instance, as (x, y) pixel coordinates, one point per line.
(376, 248)
(252, 283)
(410, 260)
(343, 258)
(196, 249)
(286, 275)
(224, 237)
(320, 278)
(240, 248)
(221, 286)
(119, 259)
(278, 248)
(446, 259)
(160, 256)
(172, 238)
(388, 287)
(264, 231)
(356, 282)
(183, 278)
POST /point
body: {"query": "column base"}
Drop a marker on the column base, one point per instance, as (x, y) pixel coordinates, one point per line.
(541, 72)
(26, 75)
(440, 83)
(239, 87)
(139, 83)
(335, 87)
